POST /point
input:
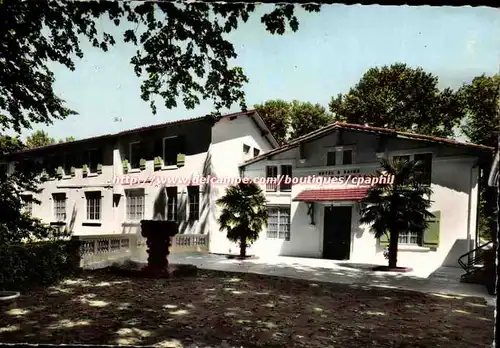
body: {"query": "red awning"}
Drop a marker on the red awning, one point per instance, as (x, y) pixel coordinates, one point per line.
(329, 195)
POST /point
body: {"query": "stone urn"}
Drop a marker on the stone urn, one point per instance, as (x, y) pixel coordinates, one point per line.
(8, 299)
(158, 234)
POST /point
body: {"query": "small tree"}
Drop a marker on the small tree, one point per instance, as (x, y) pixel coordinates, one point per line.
(244, 213)
(398, 207)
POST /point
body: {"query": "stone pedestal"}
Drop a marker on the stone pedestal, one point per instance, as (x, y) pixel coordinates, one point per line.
(158, 234)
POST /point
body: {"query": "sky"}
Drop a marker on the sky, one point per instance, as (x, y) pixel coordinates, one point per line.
(326, 56)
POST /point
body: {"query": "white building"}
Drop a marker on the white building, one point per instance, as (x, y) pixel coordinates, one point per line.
(84, 197)
(316, 221)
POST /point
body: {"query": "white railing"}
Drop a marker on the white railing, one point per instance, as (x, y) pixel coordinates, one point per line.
(101, 250)
(189, 243)
(98, 251)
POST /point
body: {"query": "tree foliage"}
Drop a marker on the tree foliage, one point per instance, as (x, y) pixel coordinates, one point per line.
(16, 225)
(38, 139)
(244, 214)
(289, 120)
(480, 100)
(182, 51)
(398, 207)
(402, 98)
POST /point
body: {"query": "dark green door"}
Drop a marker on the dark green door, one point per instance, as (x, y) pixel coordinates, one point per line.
(337, 233)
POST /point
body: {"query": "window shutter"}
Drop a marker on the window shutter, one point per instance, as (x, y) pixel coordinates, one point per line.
(384, 240)
(431, 235)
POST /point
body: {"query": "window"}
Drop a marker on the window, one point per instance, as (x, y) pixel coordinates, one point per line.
(286, 171)
(51, 165)
(135, 155)
(4, 168)
(135, 205)
(172, 203)
(409, 238)
(92, 159)
(340, 156)
(66, 163)
(27, 204)
(194, 202)
(256, 152)
(424, 173)
(271, 172)
(246, 149)
(330, 158)
(93, 205)
(59, 200)
(347, 157)
(424, 170)
(171, 147)
(278, 226)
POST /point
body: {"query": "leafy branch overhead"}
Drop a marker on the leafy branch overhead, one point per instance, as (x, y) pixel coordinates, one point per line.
(183, 52)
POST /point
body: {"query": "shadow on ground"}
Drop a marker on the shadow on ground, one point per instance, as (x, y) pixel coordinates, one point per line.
(245, 310)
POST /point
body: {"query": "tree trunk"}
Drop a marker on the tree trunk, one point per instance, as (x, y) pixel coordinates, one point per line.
(393, 248)
(243, 248)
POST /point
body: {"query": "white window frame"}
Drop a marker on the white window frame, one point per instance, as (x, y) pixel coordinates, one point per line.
(59, 206)
(339, 155)
(194, 205)
(134, 198)
(280, 171)
(279, 233)
(409, 238)
(272, 187)
(130, 161)
(91, 198)
(163, 151)
(172, 210)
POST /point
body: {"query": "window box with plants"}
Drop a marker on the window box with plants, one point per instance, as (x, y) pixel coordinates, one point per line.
(125, 166)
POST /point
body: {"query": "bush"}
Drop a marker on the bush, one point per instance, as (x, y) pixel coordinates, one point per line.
(44, 263)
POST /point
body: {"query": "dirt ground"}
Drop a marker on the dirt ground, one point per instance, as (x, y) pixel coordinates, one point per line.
(233, 310)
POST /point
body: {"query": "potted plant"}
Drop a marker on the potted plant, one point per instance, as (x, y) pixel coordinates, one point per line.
(73, 171)
(125, 166)
(8, 299)
(44, 176)
(85, 170)
(142, 164)
(157, 163)
(99, 168)
(60, 172)
(180, 159)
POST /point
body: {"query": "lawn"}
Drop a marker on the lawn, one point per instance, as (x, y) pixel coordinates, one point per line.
(247, 310)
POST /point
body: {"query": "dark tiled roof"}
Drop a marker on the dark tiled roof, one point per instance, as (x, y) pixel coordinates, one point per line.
(135, 130)
(362, 128)
(328, 195)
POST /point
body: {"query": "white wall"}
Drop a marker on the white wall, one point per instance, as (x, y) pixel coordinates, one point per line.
(228, 137)
(455, 190)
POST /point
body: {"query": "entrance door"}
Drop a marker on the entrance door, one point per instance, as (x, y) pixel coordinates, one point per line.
(337, 233)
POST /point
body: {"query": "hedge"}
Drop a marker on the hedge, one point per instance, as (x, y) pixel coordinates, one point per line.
(23, 266)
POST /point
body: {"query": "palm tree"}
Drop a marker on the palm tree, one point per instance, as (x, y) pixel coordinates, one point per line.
(397, 207)
(244, 213)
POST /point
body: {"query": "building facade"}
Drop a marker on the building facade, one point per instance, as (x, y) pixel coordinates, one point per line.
(309, 219)
(85, 191)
